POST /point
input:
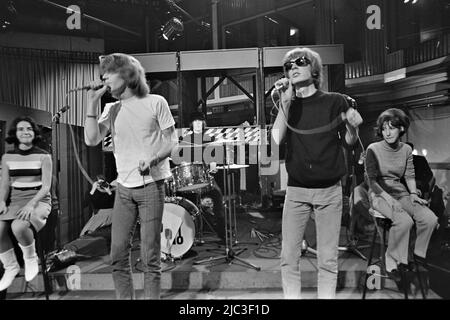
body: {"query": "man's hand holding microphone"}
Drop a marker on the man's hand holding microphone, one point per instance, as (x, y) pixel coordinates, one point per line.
(285, 91)
(145, 166)
(96, 90)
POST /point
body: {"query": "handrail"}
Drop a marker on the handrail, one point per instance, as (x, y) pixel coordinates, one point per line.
(425, 51)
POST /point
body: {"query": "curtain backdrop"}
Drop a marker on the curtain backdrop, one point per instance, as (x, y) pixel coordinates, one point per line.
(430, 131)
(41, 79)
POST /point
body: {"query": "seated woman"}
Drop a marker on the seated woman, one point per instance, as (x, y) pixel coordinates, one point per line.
(387, 161)
(27, 171)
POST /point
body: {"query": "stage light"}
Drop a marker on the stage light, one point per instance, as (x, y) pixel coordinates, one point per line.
(8, 15)
(173, 28)
(293, 31)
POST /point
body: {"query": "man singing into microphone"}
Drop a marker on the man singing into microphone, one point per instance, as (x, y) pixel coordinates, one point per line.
(313, 123)
(143, 133)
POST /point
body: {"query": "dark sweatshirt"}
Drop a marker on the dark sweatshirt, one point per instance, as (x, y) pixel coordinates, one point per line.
(316, 160)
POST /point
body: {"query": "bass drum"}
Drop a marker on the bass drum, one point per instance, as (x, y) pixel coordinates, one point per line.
(178, 227)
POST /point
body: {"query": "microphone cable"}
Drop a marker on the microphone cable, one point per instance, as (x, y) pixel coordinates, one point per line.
(328, 127)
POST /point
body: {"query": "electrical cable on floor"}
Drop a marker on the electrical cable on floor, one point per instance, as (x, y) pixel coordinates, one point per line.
(270, 246)
(163, 269)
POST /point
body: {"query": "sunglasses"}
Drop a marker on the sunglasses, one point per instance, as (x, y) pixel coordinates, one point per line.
(301, 62)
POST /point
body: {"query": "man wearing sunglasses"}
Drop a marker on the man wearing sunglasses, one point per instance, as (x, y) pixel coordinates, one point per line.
(313, 123)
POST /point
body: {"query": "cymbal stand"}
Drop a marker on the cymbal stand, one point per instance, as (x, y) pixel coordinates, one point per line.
(233, 196)
(202, 220)
(230, 255)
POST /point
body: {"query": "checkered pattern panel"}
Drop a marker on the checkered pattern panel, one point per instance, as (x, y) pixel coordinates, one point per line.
(251, 135)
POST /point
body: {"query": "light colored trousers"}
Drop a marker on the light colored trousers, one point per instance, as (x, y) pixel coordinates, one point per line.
(299, 204)
(402, 222)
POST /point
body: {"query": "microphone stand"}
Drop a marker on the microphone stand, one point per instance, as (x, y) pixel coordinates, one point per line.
(352, 246)
(230, 255)
(57, 168)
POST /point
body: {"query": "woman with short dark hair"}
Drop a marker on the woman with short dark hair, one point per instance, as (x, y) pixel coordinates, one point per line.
(27, 172)
(387, 162)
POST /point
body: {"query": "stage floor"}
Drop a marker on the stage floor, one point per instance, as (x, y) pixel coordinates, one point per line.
(258, 238)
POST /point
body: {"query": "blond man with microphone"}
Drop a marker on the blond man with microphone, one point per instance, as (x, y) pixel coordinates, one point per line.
(143, 134)
(314, 124)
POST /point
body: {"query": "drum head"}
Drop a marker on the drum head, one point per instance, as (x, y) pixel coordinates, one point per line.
(178, 231)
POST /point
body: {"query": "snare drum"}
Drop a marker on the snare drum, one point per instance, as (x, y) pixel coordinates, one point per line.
(191, 176)
(178, 231)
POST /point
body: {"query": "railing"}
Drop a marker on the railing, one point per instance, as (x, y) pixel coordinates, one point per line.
(429, 50)
(426, 51)
(395, 60)
(357, 69)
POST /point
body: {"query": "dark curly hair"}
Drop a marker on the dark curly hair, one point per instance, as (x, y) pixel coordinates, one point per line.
(396, 117)
(12, 132)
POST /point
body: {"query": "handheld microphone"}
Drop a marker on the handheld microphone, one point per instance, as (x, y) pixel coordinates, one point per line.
(351, 102)
(279, 85)
(60, 112)
(362, 158)
(87, 87)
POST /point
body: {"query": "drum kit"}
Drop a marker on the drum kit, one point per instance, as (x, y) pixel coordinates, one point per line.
(183, 220)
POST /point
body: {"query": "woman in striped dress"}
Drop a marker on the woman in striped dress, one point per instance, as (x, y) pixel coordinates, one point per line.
(26, 176)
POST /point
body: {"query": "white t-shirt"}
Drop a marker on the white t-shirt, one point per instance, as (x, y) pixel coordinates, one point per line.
(136, 126)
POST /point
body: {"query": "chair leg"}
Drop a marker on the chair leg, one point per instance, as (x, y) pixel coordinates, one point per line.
(419, 277)
(369, 262)
(402, 274)
(40, 251)
(405, 283)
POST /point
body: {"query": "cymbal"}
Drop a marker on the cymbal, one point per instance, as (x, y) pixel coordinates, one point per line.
(223, 141)
(232, 166)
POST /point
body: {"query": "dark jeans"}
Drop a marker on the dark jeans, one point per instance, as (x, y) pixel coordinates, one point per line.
(147, 203)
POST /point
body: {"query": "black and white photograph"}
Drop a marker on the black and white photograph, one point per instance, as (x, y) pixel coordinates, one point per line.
(226, 158)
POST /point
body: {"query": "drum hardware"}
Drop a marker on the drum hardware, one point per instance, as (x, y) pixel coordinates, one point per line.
(168, 257)
(230, 221)
(233, 166)
(202, 220)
